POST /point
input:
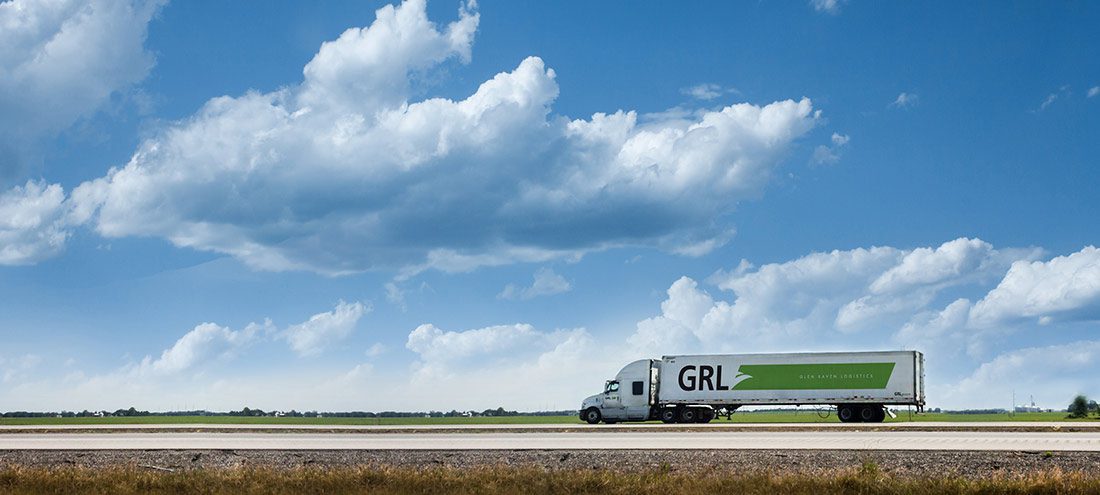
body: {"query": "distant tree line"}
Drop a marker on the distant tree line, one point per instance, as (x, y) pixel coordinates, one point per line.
(82, 414)
(1082, 406)
(975, 411)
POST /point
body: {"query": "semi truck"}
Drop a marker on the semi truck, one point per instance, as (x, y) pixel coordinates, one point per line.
(698, 388)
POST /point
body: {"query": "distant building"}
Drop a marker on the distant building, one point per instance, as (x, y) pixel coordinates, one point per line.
(1029, 409)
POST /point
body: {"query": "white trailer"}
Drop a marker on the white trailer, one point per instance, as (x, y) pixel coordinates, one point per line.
(696, 388)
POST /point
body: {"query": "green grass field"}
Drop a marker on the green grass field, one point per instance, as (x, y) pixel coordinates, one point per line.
(806, 416)
(266, 420)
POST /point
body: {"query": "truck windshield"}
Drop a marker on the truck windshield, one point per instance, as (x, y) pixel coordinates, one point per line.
(611, 386)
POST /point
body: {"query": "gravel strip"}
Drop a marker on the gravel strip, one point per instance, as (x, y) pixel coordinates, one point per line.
(970, 464)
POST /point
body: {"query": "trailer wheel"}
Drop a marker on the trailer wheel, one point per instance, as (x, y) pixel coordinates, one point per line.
(689, 415)
(592, 415)
(705, 415)
(846, 413)
(669, 415)
(867, 413)
(880, 415)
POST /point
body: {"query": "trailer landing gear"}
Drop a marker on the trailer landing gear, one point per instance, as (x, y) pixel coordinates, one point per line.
(727, 411)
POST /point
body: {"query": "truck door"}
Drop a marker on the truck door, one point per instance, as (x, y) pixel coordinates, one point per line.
(635, 398)
(612, 400)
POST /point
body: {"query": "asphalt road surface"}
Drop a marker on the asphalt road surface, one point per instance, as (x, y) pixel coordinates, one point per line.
(598, 440)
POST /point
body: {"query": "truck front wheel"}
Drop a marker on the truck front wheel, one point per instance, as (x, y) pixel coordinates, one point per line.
(592, 415)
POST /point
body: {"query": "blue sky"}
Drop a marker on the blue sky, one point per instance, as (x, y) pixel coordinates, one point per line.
(359, 206)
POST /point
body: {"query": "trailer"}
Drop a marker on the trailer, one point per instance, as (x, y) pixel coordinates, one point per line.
(697, 388)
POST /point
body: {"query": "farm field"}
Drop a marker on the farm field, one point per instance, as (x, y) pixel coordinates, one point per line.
(268, 420)
(807, 416)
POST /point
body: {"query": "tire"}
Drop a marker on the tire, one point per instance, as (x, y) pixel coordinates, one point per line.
(669, 415)
(705, 415)
(867, 413)
(880, 415)
(592, 415)
(689, 415)
(846, 413)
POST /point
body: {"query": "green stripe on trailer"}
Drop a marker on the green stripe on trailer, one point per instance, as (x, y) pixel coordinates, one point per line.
(829, 376)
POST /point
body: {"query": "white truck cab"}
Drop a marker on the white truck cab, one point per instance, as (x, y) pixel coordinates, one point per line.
(629, 397)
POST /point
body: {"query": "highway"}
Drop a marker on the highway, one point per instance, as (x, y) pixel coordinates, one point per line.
(716, 425)
(600, 439)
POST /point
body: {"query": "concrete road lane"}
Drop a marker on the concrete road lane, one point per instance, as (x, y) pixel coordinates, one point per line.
(717, 425)
(815, 440)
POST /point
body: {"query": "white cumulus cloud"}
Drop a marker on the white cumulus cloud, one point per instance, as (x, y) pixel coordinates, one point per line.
(205, 342)
(547, 282)
(1064, 288)
(322, 330)
(61, 60)
(674, 331)
(942, 333)
(948, 262)
(195, 371)
(1052, 374)
(33, 224)
(830, 154)
(501, 364)
(368, 69)
(343, 173)
(435, 346)
(823, 297)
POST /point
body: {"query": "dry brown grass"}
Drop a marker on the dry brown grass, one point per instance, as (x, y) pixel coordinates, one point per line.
(525, 481)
